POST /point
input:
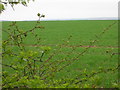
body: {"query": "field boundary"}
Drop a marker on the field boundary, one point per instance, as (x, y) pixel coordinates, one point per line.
(32, 45)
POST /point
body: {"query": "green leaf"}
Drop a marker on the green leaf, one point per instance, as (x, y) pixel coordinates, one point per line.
(1, 7)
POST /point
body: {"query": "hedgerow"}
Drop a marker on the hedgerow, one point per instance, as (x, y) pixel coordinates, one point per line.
(29, 69)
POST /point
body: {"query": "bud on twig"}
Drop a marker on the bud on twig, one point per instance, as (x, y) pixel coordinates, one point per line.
(38, 14)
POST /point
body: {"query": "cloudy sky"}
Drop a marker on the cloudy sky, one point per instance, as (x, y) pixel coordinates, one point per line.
(62, 9)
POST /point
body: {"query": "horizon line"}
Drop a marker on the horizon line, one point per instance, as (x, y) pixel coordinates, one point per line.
(97, 18)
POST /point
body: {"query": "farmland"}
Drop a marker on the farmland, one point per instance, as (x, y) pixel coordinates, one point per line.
(78, 48)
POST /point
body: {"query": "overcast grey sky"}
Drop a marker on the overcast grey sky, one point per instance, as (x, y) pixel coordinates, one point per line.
(62, 9)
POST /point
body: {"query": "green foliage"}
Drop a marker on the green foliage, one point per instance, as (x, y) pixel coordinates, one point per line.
(44, 66)
(1, 7)
(4, 3)
(46, 49)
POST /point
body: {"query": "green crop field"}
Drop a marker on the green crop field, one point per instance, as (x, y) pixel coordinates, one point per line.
(73, 38)
(82, 31)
